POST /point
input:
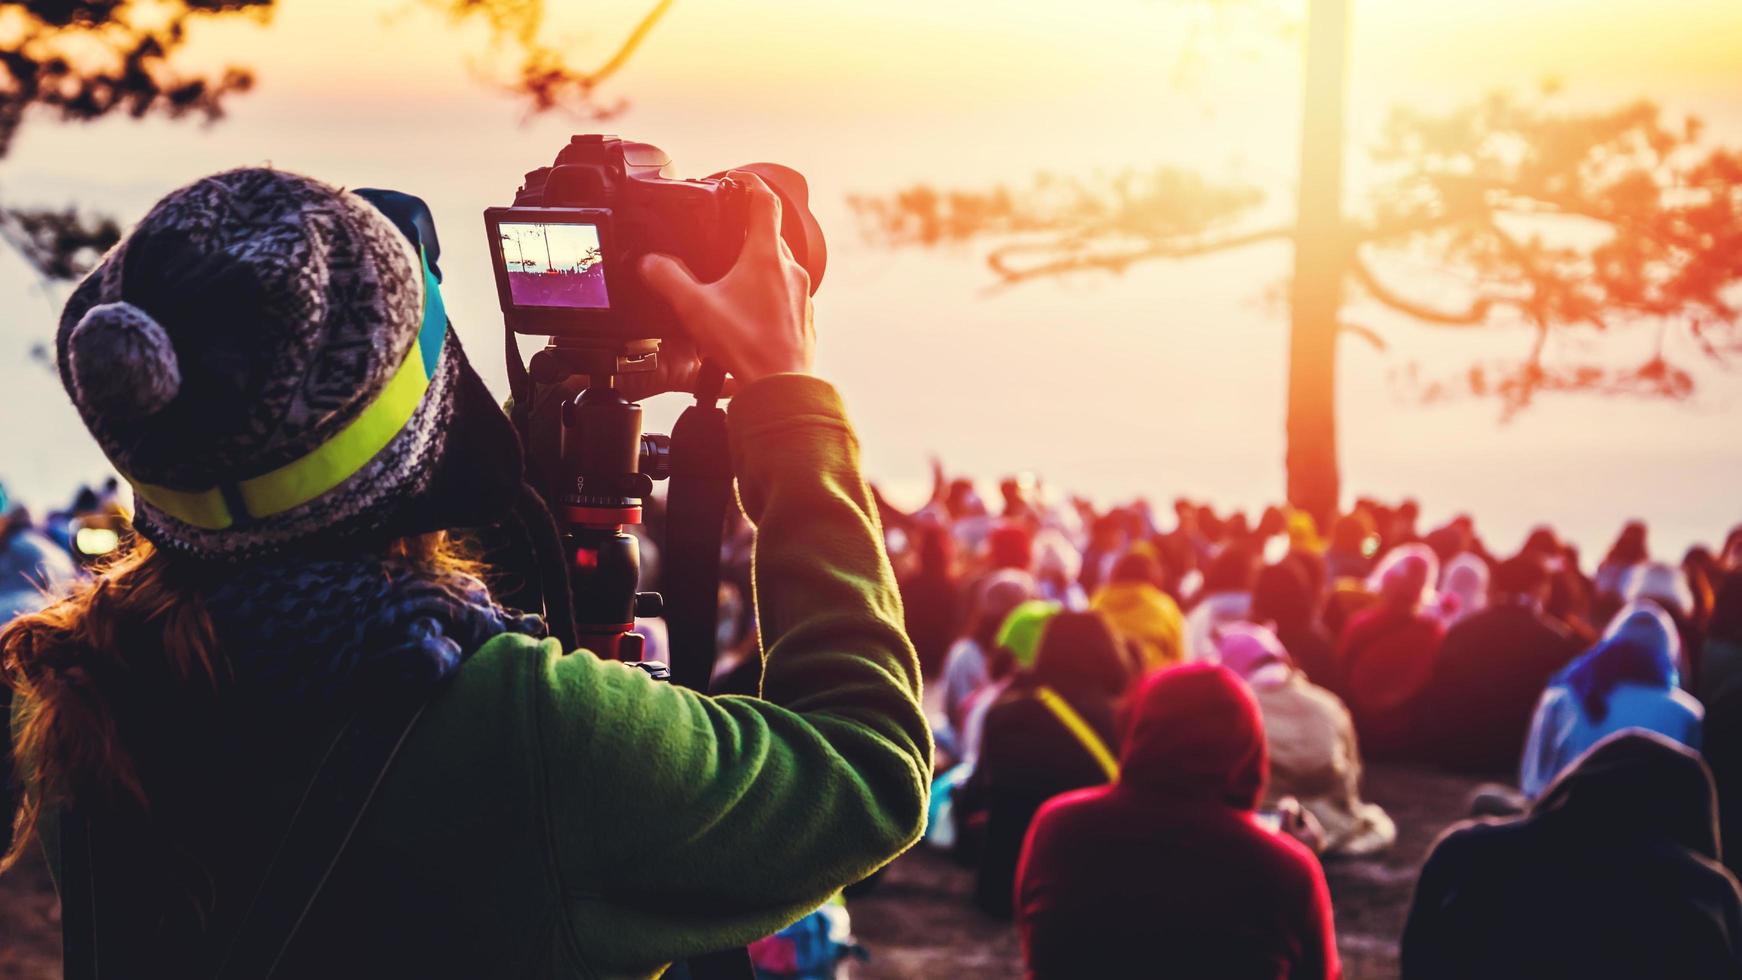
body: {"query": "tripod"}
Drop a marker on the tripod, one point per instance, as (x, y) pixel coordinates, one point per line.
(605, 472)
(606, 468)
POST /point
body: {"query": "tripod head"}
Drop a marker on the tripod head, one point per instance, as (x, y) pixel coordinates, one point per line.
(603, 476)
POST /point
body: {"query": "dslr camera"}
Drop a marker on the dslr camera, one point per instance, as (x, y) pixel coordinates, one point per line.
(566, 258)
(566, 253)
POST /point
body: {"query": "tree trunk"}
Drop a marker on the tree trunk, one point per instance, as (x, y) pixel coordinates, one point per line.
(1320, 262)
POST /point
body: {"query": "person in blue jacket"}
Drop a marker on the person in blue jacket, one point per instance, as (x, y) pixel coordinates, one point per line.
(1628, 680)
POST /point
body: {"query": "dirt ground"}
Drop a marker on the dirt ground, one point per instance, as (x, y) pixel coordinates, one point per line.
(919, 923)
(29, 924)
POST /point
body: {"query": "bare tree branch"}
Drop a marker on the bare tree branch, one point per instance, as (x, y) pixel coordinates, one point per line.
(60, 244)
(1604, 223)
(84, 59)
(1366, 334)
(546, 75)
(1614, 221)
(1118, 262)
(1058, 225)
(1473, 315)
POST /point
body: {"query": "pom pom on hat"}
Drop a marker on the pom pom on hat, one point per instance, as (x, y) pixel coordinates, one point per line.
(121, 361)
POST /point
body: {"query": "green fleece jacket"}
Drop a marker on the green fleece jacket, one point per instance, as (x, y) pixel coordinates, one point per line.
(563, 816)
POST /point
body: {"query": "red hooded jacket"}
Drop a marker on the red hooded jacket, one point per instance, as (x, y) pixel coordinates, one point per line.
(1166, 873)
(1386, 658)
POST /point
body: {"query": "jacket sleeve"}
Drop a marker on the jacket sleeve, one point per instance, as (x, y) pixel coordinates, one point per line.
(1541, 761)
(1429, 949)
(681, 823)
(1318, 929)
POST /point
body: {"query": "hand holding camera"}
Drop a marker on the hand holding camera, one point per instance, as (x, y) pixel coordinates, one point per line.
(635, 274)
(756, 319)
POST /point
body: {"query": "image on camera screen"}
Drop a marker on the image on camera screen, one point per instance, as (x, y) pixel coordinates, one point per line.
(555, 265)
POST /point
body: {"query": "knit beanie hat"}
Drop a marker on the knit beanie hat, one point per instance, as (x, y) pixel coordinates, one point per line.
(266, 359)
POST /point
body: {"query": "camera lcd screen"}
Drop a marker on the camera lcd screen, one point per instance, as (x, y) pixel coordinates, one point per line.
(555, 265)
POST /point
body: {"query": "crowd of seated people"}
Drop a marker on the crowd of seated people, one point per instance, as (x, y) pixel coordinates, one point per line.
(1150, 736)
(1154, 759)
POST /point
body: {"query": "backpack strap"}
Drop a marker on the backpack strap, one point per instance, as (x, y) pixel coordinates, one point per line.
(332, 806)
(78, 898)
(1085, 734)
(321, 828)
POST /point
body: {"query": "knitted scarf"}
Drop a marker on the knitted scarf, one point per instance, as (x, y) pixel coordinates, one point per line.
(301, 632)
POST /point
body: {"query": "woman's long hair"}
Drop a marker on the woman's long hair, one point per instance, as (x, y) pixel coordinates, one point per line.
(142, 621)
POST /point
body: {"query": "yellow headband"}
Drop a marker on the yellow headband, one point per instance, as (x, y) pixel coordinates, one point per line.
(334, 461)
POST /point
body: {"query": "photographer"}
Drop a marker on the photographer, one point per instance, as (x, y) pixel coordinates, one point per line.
(548, 813)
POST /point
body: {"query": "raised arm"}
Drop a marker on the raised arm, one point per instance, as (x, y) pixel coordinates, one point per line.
(683, 823)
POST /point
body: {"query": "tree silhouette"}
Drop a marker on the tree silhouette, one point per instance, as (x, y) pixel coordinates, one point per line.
(83, 60)
(545, 75)
(60, 244)
(1578, 225)
(80, 60)
(1061, 224)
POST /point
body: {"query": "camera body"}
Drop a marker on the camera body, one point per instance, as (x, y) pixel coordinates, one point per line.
(566, 255)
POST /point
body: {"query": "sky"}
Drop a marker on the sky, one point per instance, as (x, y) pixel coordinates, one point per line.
(1166, 381)
(539, 246)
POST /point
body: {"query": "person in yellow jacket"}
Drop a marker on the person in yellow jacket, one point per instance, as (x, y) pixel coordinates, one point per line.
(1144, 616)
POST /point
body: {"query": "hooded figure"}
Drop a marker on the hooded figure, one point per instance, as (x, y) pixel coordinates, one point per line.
(968, 668)
(1353, 542)
(931, 598)
(1463, 588)
(33, 569)
(1166, 872)
(1613, 873)
(1141, 613)
(1628, 680)
(1226, 599)
(1661, 582)
(1629, 550)
(1057, 566)
(1010, 545)
(1490, 673)
(1387, 652)
(1303, 533)
(1313, 754)
(1053, 730)
(1667, 586)
(1721, 692)
(1022, 630)
(1287, 601)
(1721, 658)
